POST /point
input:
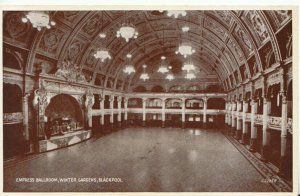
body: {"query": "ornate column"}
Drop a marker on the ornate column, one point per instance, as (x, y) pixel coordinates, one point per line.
(163, 113)
(253, 136)
(111, 107)
(119, 111)
(101, 99)
(183, 112)
(265, 134)
(125, 109)
(144, 111)
(25, 116)
(89, 102)
(40, 102)
(238, 122)
(204, 111)
(283, 158)
(245, 127)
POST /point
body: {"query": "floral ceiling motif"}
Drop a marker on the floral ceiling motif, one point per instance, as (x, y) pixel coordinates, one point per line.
(258, 26)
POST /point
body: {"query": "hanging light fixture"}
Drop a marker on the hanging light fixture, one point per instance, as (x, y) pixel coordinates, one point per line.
(144, 76)
(129, 68)
(185, 29)
(176, 13)
(38, 19)
(190, 76)
(102, 53)
(163, 68)
(188, 67)
(185, 49)
(170, 77)
(127, 30)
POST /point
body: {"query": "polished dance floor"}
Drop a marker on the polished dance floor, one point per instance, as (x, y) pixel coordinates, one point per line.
(140, 159)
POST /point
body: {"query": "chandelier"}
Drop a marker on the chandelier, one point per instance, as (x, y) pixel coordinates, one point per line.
(170, 77)
(185, 50)
(38, 20)
(127, 32)
(188, 67)
(176, 13)
(190, 76)
(129, 68)
(163, 68)
(144, 76)
(185, 29)
(102, 54)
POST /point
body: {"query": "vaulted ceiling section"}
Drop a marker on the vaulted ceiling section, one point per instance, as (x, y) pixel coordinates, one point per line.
(231, 46)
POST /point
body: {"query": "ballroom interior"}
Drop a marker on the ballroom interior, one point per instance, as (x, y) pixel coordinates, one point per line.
(148, 100)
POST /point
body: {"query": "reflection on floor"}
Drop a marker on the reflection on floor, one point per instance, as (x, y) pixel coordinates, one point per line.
(143, 159)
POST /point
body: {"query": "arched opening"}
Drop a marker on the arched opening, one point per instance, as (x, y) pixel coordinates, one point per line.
(157, 89)
(63, 114)
(140, 89)
(13, 139)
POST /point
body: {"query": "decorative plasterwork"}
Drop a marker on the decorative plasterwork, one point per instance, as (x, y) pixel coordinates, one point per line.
(258, 28)
(14, 30)
(244, 39)
(275, 77)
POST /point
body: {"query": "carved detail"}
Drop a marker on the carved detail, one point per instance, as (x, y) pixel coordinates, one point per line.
(70, 72)
(258, 26)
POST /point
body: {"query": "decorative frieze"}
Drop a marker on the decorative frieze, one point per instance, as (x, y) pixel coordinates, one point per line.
(275, 77)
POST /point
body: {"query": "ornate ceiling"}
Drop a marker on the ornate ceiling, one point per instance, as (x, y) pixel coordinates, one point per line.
(230, 45)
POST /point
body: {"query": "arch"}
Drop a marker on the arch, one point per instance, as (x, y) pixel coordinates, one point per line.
(140, 89)
(176, 88)
(11, 60)
(173, 103)
(194, 103)
(157, 89)
(64, 107)
(154, 103)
